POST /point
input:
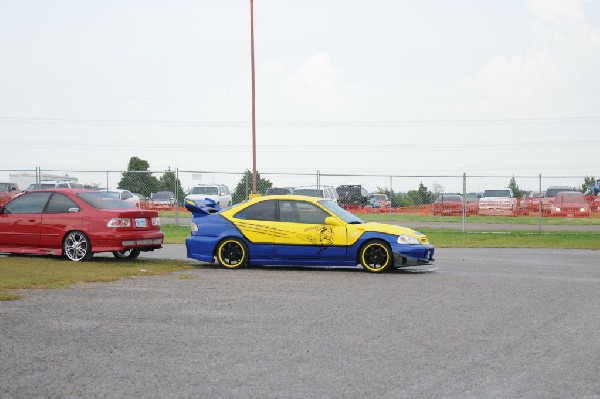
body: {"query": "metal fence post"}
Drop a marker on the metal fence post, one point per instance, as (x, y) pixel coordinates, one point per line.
(177, 196)
(540, 207)
(464, 210)
(391, 196)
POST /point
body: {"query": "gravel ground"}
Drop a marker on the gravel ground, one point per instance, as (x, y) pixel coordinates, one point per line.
(490, 323)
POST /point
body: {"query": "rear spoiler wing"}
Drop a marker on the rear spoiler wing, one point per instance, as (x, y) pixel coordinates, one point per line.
(203, 207)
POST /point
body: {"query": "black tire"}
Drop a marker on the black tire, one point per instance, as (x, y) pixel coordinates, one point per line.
(376, 256)
(131, 253)
(77, 247)
(232, 253)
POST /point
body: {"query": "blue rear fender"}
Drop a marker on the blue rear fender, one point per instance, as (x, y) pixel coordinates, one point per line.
(211, 229)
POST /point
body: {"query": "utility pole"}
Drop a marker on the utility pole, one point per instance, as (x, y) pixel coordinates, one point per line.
(253, 99)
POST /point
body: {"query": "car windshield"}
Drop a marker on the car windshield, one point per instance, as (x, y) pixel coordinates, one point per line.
(449, 198)
(4, 186)
(551, 192)
(340, 212)
(573, 199)
(311, 192)
(205, 190)
(104, 200)
(163, 195)
(496, 193)
(380, 197)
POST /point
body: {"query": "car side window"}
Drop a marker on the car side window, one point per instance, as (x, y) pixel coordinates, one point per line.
(28, 203)
(60, 203)
(264, 210)
(301, 212)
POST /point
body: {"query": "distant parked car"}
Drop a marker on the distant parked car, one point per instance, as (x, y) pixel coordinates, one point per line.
(162, 200)
(216, 192)
(498, 202)
(570, 204)
(45, 184)
(472, 204)
(353, 195)
(327, 192)
(76, 223)
(530, 203)
(279, 191)
(125, 195)
(550, 196)
(448, 205)
(380, 200)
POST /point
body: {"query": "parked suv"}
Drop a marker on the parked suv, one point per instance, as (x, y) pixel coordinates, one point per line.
(327, 192)
(353, 195)
(216, 192)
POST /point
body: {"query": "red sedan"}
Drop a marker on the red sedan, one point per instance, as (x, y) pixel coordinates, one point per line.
(570, 204)
(77, 223)
(448, 204)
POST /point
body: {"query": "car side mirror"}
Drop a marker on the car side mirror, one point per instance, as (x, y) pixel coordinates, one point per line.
(331, 221)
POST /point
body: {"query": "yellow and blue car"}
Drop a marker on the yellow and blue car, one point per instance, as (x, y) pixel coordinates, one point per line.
(293, 230)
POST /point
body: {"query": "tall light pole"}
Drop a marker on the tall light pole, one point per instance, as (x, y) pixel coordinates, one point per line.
(253, 98)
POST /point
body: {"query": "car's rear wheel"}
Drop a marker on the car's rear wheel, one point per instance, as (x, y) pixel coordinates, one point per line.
(376, 256)
(77, 247)
(131, 253)
(232, 253)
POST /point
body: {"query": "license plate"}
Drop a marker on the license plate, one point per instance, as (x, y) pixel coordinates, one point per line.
(141, 223)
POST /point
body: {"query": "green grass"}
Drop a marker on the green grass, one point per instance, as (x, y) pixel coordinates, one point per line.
(446, 238)
(530, 220)
(32, 272)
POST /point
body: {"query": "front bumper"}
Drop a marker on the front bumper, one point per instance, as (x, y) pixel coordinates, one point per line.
(413, 255)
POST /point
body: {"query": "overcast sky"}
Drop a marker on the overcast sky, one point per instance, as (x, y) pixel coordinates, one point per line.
(373, 87)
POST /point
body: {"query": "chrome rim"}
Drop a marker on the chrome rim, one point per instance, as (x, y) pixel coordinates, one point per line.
(76, 246)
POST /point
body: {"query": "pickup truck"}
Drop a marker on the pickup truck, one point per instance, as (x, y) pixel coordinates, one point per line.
(498, 202)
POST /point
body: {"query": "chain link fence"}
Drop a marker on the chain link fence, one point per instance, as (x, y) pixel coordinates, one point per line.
(461, 202)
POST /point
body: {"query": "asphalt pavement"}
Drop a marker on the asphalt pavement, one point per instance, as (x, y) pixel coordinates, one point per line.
(490, 323)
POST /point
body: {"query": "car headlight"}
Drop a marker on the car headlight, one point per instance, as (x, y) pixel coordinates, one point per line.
(409, 240)
(194, 227)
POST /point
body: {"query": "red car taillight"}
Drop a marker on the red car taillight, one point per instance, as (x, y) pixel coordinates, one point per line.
(119, 222)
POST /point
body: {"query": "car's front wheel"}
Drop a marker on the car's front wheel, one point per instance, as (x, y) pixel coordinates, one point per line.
(376, 256)
(131, 253)
(77, 246)
(232, 253)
